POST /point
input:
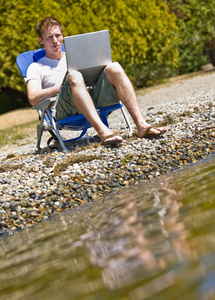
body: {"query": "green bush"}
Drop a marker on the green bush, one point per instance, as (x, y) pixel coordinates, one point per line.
(143, 37)
(195, 19)
(143, 33)
(18, 21)
(12, 99)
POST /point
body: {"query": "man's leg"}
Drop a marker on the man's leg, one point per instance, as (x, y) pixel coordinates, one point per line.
(126, 94)
(84, 103)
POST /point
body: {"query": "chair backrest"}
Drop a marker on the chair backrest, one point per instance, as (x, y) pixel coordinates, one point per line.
(24, 59)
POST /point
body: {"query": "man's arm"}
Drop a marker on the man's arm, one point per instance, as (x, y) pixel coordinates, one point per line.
(37, 94)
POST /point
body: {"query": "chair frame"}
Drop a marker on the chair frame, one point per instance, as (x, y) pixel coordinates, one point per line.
(48, 122)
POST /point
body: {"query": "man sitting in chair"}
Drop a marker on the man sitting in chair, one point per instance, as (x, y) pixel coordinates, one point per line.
(48, 78)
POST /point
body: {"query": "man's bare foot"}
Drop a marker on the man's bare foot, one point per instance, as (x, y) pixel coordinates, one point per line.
(148, 130)
(112, 139)
(108, 137)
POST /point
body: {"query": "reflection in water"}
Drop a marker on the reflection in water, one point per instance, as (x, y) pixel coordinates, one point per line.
(155, 241)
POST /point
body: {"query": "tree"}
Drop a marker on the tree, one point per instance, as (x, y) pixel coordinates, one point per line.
(18, 19)
(196, 22)
(143, 33)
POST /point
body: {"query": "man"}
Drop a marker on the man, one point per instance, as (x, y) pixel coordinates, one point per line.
(49, 78)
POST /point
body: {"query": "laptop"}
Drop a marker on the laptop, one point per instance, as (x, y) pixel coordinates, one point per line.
(88, 53)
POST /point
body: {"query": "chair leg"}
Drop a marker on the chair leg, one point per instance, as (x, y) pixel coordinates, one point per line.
(40, 129)
(56, 130)
(127, 121)
(53, 137)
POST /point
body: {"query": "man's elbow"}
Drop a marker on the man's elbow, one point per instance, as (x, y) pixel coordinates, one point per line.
(33, 99)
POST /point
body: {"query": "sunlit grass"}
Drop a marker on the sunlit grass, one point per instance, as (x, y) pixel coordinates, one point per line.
(17, 134)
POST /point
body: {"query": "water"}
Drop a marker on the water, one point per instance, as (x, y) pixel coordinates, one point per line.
(155, 241)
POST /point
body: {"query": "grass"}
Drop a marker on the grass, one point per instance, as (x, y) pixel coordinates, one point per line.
(17, 134)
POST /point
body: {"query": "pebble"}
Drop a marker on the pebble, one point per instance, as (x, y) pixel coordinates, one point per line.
(33, 186)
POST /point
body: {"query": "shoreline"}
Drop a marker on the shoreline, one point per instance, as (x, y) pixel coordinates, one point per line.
(34, 187)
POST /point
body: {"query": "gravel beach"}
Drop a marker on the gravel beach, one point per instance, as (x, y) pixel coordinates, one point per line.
(33, 186)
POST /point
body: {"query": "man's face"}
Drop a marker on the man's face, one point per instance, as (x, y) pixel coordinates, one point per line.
(52, 40)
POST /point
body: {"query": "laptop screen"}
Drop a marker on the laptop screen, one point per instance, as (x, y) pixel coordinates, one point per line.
(88, 53)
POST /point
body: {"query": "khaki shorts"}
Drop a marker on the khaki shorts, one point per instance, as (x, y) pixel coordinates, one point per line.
(103, 94)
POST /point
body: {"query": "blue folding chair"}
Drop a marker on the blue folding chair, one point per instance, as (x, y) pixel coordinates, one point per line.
(48, 122)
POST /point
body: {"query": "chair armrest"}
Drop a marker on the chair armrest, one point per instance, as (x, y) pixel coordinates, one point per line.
(44, 104)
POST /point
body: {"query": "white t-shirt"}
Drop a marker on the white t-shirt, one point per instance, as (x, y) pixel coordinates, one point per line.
(50, 72)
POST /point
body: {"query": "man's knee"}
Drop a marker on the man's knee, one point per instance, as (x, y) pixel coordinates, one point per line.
(114, 69)
(75, 78)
